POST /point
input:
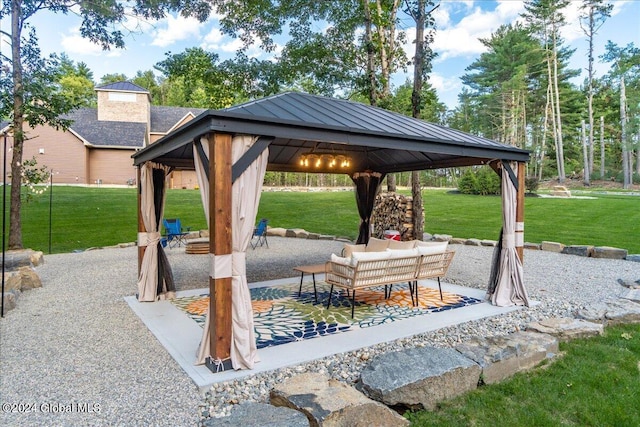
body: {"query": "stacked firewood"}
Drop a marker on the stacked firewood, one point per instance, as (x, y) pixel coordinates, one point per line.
(393, 211)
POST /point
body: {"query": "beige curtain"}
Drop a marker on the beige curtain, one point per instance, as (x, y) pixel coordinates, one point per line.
(149, 288)
(509, 289)
(246, 192)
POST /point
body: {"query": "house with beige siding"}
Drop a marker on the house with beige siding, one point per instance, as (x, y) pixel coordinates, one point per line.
(97, 148)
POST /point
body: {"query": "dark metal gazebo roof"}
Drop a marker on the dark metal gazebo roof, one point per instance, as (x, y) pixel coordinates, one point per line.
(298, 123)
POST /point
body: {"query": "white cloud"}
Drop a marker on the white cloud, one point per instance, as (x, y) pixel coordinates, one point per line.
(74, 43)
(461, 38)
(177, 29)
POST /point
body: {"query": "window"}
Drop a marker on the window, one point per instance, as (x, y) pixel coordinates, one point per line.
(122, 97)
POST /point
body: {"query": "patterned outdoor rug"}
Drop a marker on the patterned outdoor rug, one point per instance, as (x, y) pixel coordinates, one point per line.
(280, 316)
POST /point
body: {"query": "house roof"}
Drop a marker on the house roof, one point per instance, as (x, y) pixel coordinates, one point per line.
(298, 123)
(106, 133)
(122, 86)
(102, 133)
(4, 124)
(163, 119)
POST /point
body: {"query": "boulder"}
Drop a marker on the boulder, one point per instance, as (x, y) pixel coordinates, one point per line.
(279, 232)
(10, 298)
(609, 252)
(594, 314)
(631, 284)
(566, 329)
(552, 247)
(327, 237)
(457, 241)
(297, 232)
(533, 246)
(330, 403)
(489, 243)
(419, 377)
(560, 191)
(634, 258)
(502, 356)
(631, 294)
(22, 279)
(580, 250)
(442, 238)
(313, 236)
(622, 311)
(204, 233)
(251, 414)
(15, 259)
(473, 242)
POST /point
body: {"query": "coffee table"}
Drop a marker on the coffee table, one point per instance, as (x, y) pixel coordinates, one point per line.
(309, 269)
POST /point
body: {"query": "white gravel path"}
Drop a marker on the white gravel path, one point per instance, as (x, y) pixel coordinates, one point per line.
(74, 345)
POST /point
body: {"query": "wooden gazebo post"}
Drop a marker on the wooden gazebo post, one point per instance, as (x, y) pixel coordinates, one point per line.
(220, 246)
(520, 212)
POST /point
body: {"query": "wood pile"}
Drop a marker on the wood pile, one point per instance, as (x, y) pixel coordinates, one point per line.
(393, 211)
(197, 247)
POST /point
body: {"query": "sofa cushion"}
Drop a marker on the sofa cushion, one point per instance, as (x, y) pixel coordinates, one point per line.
(349, 249)
(402, 253)
(430, 248)
(369, 256)
(340, 260)
(407, 244)
(377, 245)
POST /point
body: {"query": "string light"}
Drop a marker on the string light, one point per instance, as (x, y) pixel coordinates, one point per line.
(318, 160)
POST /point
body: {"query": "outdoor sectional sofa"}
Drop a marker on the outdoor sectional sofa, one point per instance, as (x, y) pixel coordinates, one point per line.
(385, 262)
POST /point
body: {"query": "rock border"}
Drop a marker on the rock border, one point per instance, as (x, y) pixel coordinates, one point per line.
(605, 252)
(422, 377)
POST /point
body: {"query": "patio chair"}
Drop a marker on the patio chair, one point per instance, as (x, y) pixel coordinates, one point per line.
(259, 237)
(175, 234)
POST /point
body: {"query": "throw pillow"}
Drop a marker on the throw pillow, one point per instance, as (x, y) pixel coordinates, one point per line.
(377, 245)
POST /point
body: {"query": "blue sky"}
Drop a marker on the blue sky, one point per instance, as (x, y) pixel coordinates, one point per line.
(459, 26)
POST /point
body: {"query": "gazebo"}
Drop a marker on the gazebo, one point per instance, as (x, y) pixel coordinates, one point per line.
(231, 149)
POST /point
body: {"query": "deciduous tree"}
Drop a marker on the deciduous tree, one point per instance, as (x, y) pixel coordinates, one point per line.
(30, 100)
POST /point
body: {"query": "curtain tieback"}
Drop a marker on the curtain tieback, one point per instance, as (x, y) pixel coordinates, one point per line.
(148, 239)
(509, 240)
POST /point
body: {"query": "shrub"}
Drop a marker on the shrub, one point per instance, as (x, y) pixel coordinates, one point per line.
(482, 181)
(531, 183)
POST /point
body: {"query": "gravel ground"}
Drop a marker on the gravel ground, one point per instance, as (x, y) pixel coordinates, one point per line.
(73, 353)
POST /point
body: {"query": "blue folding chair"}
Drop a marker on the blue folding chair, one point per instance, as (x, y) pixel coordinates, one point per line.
(259, 237)
(175, 234)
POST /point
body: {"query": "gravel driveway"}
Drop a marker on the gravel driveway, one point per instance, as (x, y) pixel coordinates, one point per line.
(73, 353)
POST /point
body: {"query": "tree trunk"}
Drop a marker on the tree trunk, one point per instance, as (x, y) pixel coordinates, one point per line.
(585, 156)
(560, 154)
(590, 77)
(545, 130)
(554, 122)
(419, 16)
(391, 183)
(416, 193)
(602, 163)
(387, 45)
(637, 154)
(15, 222)
(371, 75)
(623, 135)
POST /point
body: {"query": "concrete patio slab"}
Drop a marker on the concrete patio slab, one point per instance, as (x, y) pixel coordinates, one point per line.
(181, 336)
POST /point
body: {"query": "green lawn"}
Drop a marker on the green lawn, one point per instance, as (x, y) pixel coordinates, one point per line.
(595, 383)
(88, 217)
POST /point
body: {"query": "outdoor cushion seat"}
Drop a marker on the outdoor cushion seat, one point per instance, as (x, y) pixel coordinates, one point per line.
(386, 267)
